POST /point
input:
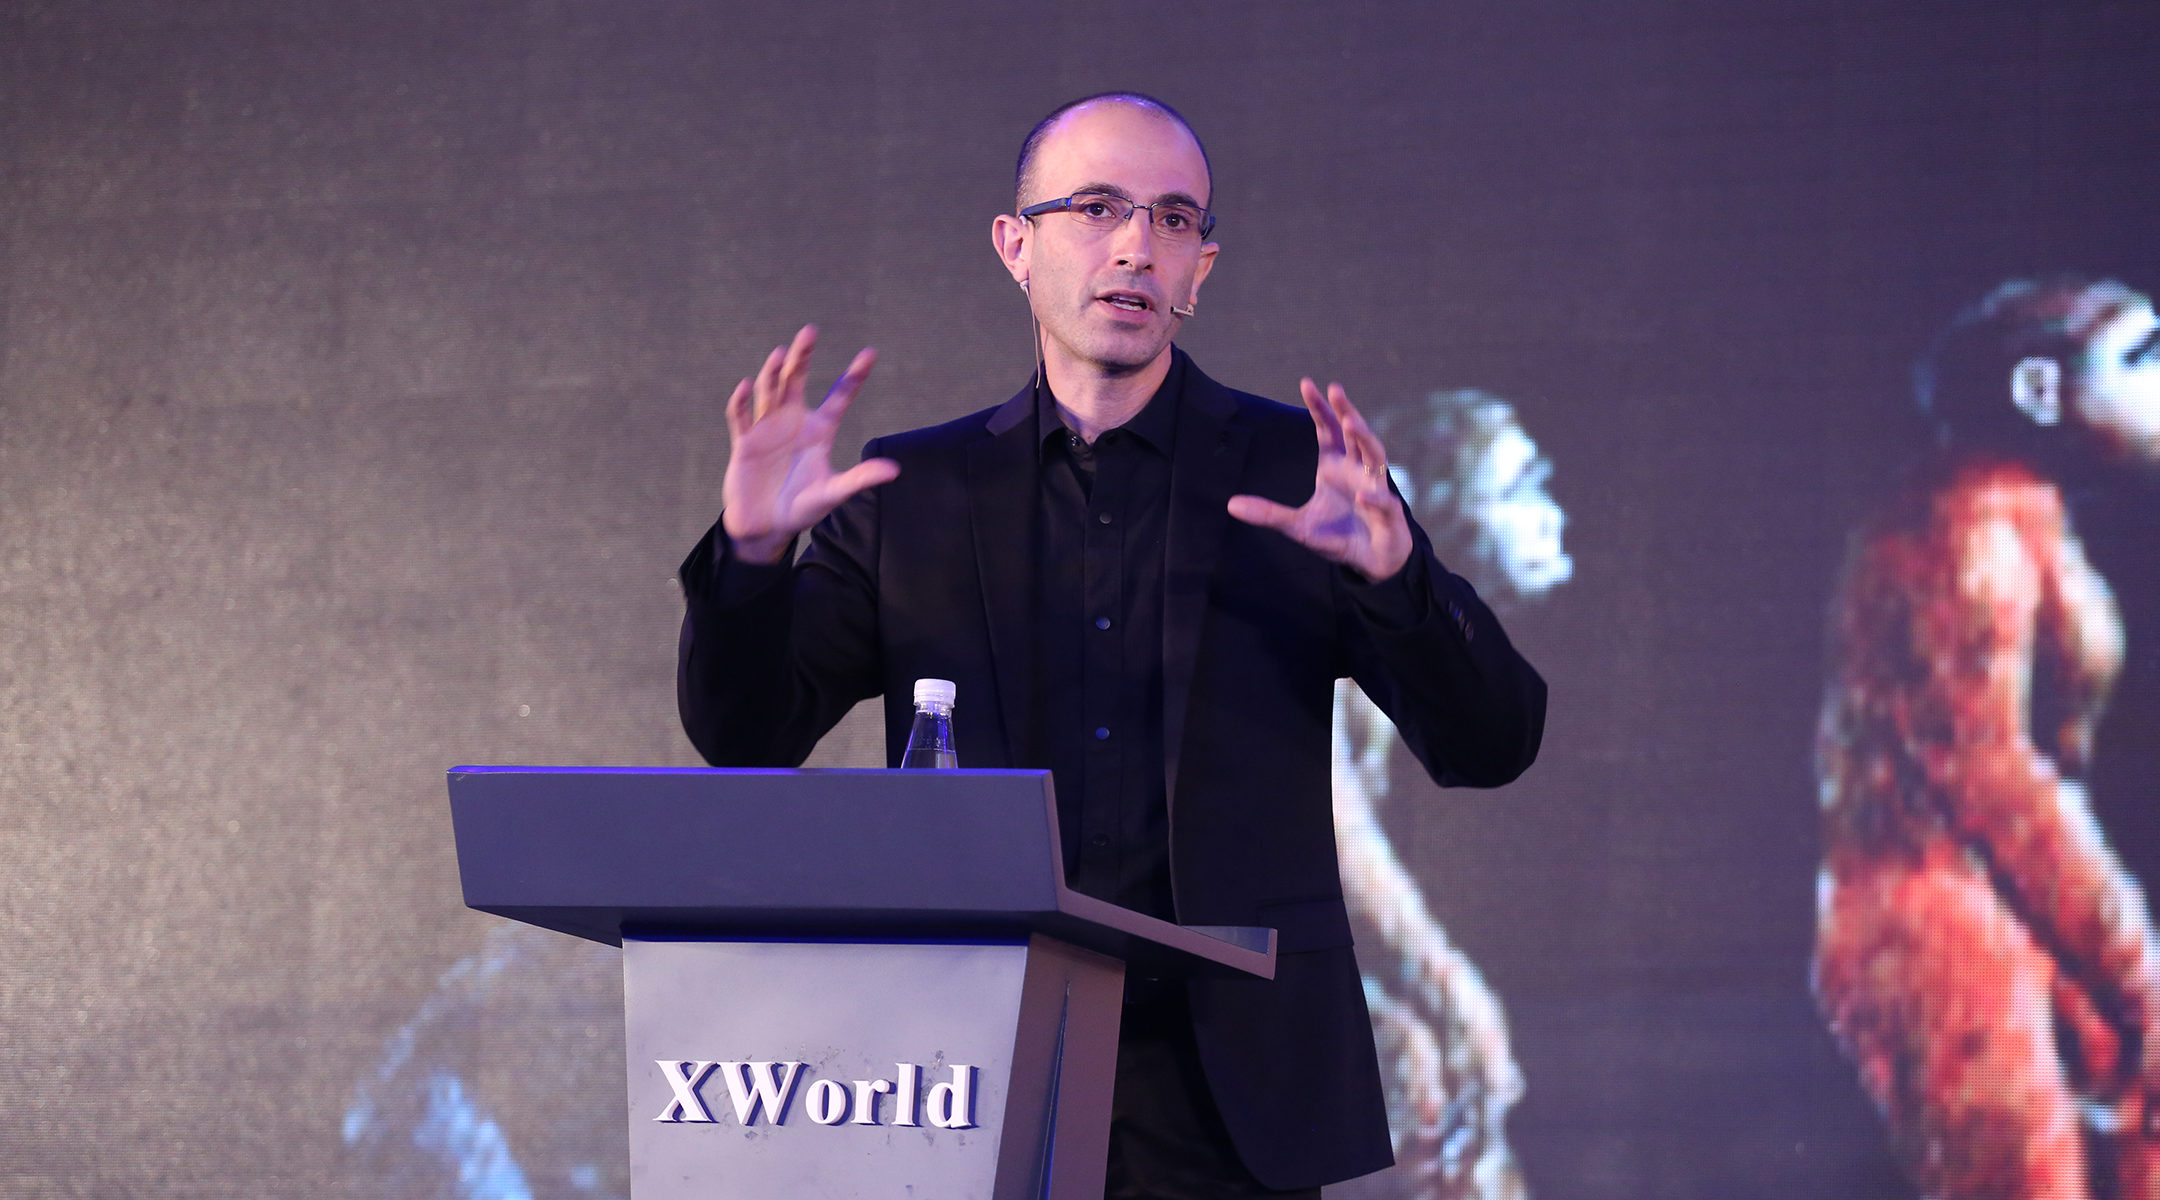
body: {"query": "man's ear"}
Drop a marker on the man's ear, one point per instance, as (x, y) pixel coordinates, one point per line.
(1200, 273)
(2036, 389)
(1011, 236)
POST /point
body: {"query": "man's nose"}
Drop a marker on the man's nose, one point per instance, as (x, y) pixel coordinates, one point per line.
(1135, 240)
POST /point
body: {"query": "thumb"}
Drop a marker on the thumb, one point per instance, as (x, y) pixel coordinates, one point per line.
(1258, 510)
(868, 473)
(818, 499)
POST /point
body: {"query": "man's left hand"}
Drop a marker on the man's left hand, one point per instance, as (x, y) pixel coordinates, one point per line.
(1353, 518)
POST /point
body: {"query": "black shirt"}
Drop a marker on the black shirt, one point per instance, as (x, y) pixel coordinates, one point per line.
(1103, 519)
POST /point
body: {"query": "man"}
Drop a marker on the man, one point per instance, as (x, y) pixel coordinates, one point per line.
(1147, 583)
(1980, 952)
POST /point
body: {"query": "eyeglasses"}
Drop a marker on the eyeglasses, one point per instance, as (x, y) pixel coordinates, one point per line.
(1170, 219)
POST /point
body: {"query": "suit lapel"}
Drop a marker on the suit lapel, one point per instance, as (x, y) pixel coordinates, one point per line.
(1205, 468)
(1002, 488)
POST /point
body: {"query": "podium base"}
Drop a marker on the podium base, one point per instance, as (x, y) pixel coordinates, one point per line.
(774, 1070)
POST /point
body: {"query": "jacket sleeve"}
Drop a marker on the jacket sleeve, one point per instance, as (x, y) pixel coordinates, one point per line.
(772, 657)
(1435, 659)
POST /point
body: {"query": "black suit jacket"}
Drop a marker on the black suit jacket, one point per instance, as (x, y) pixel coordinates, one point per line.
(931, 575)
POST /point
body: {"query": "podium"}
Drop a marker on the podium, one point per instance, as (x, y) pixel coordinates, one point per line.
(837, 983)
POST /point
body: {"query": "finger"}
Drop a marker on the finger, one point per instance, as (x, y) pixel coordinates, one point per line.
(1358, 435)
(1346, 418)
(851, 380)
(1330, 429)
(1258, 510)
(1369, 451)
(1377, 502)
(1364, 474)
(738, 409)
(1339, 403)
(1336, 403)
(765, 391)
(1366, 493)
(797, 365)
(824, 424)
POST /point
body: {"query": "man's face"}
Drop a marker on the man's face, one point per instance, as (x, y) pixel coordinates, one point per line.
(2118, 386)
(1103, 297)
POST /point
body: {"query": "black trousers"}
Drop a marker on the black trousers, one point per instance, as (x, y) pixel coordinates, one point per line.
(1167, 1141)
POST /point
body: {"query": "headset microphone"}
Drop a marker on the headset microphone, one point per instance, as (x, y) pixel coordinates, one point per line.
(1185, 311)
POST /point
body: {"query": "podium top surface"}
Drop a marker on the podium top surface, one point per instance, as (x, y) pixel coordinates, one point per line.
(846, 854)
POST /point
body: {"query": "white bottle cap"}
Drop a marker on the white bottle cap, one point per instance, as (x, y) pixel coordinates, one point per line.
(935, 691)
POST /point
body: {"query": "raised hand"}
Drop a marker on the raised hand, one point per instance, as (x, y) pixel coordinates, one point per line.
(1352, 517)
(780, 479)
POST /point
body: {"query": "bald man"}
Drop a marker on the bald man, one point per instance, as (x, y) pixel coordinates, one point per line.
(1148, 584)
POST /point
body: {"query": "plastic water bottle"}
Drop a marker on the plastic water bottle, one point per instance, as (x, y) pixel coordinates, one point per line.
(930, 742)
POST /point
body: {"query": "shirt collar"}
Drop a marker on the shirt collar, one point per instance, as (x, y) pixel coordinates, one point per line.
(1155, 424)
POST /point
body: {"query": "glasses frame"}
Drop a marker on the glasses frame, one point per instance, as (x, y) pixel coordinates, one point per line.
(1065, 203)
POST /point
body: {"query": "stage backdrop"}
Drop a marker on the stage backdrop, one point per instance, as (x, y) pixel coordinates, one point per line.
(360, 380)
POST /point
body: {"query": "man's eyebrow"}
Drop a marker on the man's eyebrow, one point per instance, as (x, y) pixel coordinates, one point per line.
(1111, 189)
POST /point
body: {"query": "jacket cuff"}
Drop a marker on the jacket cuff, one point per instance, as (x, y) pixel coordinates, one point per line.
(1399, 602)
(712, 576)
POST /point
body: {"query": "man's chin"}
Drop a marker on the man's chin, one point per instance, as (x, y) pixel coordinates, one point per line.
(1129, 355)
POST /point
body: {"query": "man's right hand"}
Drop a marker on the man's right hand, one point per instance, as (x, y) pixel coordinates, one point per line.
(780, 479)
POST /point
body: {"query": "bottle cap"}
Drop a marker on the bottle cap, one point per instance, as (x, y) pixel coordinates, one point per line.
(935, 691)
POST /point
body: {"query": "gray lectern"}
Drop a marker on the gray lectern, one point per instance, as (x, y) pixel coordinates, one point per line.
(837, 983)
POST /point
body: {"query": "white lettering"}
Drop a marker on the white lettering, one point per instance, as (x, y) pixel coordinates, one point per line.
(907, 1095)
(683, 1079)
(952, 1105)
(827, 1102)
(866, 1093)
(754, 1083)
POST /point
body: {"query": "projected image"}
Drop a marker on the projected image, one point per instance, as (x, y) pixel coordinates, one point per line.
(1982, 955)
(1477, 484)
(506, 1085)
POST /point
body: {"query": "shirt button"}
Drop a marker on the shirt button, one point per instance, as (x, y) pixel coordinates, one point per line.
(1102, 733)
(1102, 622)
(1102, 518)
(1100, 839)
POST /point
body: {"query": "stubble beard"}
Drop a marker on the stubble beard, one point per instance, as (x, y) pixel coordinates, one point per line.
(1109, 352)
